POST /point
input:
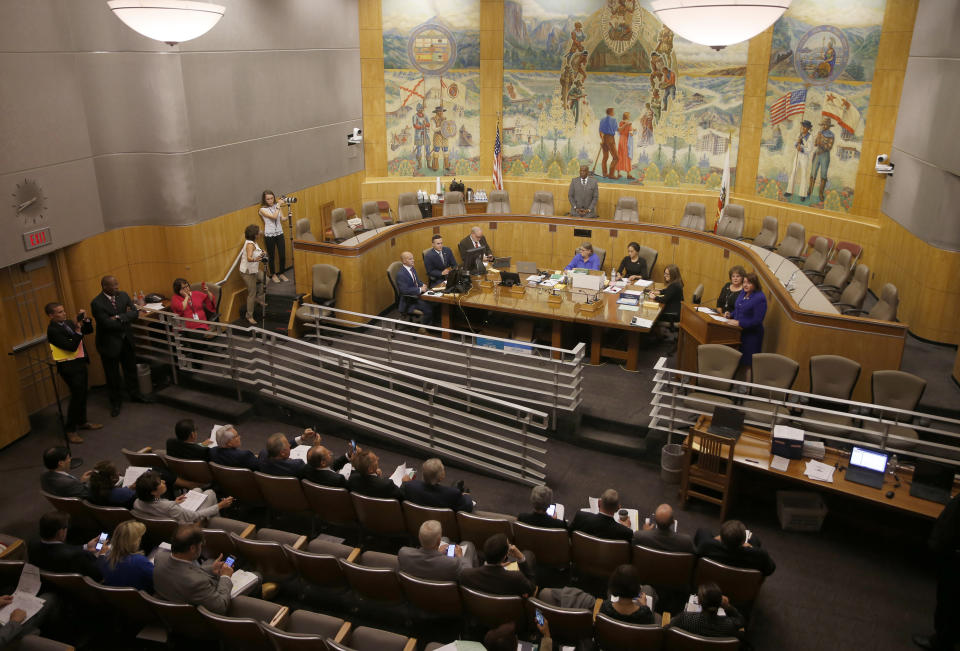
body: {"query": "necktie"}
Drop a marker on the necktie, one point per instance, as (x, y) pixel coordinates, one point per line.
(413, 274)
(67, 326)
(476, 244)
(583, 181)
(440, 253)
(113, 301)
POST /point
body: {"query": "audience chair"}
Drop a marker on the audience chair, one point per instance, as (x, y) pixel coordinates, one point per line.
(694, 216)
(81, 517)
(338, 224)
(372, 558)
(364, 638)
(626, 210)
(542, 204)
(10, 571)
(498, 202)
(108, 517)
(738, 584)
(775, 371)
(242, 631)
(853, 294)
(715, 360)
(767, 237)
(668, 572)
(14, 548)
(284, 495)
(812, 241)
(885, 309)
(303, 232)
(792, 244)
(415, 515)
(379, 516)
(323, 291)
(549, 546)
(144, 457)
(159, 530)
(437, 598)
(370, 216)
(408, 209)
(305, 631)
(837, 275)
(319, 571)
(597, 557)
(676, 639)
(832, 376)
(181, 619)
(492, 610)
(73, 586)
(816, 261)
(265, 549)
(218, 541)
(697, 295)
(477, 528)
(377, 584)
(855, 250)
(568, 626)
(128, 603)
(707, 463)
(453, 204)
(239, 483)
(332, 504)
(193, 470)
(650, 257)
(731, 224)
(898, 390)
(615, 635)
(37, 643)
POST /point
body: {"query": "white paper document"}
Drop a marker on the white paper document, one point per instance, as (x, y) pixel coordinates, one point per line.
(153, 307)
(29, 579)
(788, 433)
(818, 471)
(397, 476)
(643, 283)
(632, 292)
(131, 474)
(346, 470)
(213, 436)
(613, 289)
(300, 452)
(242, 580)
(24, 601)
(707, 310)
(193, 500)
(780, 463)
(718, 318)
(640, 322)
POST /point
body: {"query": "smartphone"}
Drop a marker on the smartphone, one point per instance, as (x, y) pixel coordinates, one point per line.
(102, 540)
(230, 561)
(749, 533)
(551, 510)
(540, 620)
(353, 446)
(411, 473)
(451, 550)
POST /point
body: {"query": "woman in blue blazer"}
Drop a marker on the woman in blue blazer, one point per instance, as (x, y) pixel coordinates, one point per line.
(748, 313)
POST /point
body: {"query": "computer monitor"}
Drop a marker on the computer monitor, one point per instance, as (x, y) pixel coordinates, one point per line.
(473, 261)
(509, 279)
(501, 263)
(932, 473)
(458, 281)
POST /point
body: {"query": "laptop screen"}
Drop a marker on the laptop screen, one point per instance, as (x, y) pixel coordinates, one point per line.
(868, 459)
(933, 474)
(728, 417)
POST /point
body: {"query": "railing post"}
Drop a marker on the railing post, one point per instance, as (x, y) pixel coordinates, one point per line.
(167, 322)
(232, 353)
(673, 415)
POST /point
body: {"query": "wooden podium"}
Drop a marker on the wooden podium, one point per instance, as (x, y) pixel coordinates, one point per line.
(700, 328)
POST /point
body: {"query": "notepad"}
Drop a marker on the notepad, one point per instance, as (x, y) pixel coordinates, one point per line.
(242, 580)
(300, 452)
(131, 474)
(643, 283)
(628, 300)
(193, 500)
(707, 310)
(25, 602)
(780, 463)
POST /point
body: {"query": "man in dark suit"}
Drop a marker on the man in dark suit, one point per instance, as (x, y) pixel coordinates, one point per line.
(731, 547)
(431, 561)
(493, 577)
(114, 313)
(583, 194)
(475, 240)
(323, 469)
(659, 534)
(228, 451)
(438, 261)
(275, 459)
(53, 554)
(57, 480)
(428, 491)
(945, 544)
(410, 288)
(604, 523)
(541, 497)
(65, 338)
(185, 445)
(367, 478)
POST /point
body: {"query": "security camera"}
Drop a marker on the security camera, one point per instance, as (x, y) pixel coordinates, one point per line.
(883, 166)
(355, 137)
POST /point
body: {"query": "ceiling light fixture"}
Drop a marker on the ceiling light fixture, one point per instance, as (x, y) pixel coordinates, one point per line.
(169, 21)
(718, 23)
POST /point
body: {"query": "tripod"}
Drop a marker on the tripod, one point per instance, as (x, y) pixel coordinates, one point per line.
(75, 462)
(293, 267)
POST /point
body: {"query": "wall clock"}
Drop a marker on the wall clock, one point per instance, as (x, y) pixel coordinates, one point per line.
(29, 203)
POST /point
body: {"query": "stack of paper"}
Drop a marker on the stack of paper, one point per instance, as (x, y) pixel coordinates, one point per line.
(398, 474)
(25, 597)
(718, 318)
(242, 580)
(131, 474)
(780, 463)
(549, 283)
(814, 449)
(614, 289)
(632, 292)
(818, 471)
(706, 309)
(193, 500)
(641, 322)
(643, 283)
(300, 452)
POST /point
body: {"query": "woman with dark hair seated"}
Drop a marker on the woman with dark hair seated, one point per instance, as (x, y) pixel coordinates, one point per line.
(124, 565)
(104, 490)
(195, 306)
(632, 268)
(709, 622)
(627, 600)
(671, 296)
(150, 502)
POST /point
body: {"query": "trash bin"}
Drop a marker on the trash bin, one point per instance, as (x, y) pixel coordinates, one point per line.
(144, 381)
(671, 463)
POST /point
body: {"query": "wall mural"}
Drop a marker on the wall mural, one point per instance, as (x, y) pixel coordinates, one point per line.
(818, 89)
(604, 83)
(431, 72)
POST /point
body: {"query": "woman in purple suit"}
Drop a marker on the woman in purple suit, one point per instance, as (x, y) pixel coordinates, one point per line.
(748, 313)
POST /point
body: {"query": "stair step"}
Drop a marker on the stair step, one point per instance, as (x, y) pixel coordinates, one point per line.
(633, 444)
(215, 406)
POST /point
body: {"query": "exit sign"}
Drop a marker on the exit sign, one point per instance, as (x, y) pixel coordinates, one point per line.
(36, 239)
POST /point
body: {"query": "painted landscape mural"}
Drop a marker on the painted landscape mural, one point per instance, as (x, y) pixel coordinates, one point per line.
(818, 89)
(432, 77)
(606, 84)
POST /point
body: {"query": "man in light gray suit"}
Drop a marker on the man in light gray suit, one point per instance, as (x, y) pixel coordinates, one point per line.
(659, 534)
(583, 194)
(430, 560)
(178, 577)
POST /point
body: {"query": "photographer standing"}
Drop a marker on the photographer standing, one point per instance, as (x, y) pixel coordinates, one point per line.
(273, 234)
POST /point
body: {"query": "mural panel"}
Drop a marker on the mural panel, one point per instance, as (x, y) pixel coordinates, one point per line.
(604, 83)
(431, 72)
(818, 90)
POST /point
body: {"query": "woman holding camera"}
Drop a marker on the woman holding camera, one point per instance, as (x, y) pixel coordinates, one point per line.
(250, 270)
(273, 234)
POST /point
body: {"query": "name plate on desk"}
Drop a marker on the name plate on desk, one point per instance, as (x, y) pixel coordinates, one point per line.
(555, 299)
(589, 308)
(516, 290)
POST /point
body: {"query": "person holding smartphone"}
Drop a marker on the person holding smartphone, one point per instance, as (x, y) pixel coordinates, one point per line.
(659, 532)
(544, 510)
(436, 559)
(736, 546)
(627, 600)
(195, 306)
(125, 565)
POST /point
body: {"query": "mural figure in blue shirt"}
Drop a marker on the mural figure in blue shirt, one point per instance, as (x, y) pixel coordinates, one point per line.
(608, 129)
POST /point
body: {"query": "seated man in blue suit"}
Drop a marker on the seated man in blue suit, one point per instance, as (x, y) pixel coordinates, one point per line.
(584, 258)
(228, 451)
(438, 261)
(410, 288)
(430, 492)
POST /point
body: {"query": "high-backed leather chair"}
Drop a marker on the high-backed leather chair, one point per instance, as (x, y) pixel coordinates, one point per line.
(794, 241)
(650, 257)
(498, 202)
(715, 360)
(697, 295)
(626, 210)
(767, 237)
(370, 215)
(853, 295)
(694, 216)
(832, 376)
(303, 231)
(338, 224)
(405, 307)
(542, 204)
(731, 224)
(898, 390)
(453, 204)
(775, 371)
(885, 309)
(323, 291)
(408, 209)
(816, 262)
(838, 274)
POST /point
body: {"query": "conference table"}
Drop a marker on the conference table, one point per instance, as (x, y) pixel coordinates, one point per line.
(753, 451)
(575, 306)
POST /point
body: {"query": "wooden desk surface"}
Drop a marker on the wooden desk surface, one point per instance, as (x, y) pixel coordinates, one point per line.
(534, 303)
(756, 443)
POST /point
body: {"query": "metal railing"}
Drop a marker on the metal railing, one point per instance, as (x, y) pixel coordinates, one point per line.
(442, 418)
(679, 399)
(541, 377)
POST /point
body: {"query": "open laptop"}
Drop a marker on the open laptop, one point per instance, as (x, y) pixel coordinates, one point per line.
(501, 263)
(526, 267)
(726, 421)
(866, 467)
(932, 481)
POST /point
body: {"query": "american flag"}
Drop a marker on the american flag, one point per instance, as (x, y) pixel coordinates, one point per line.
(790, 104)
(497, 169)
